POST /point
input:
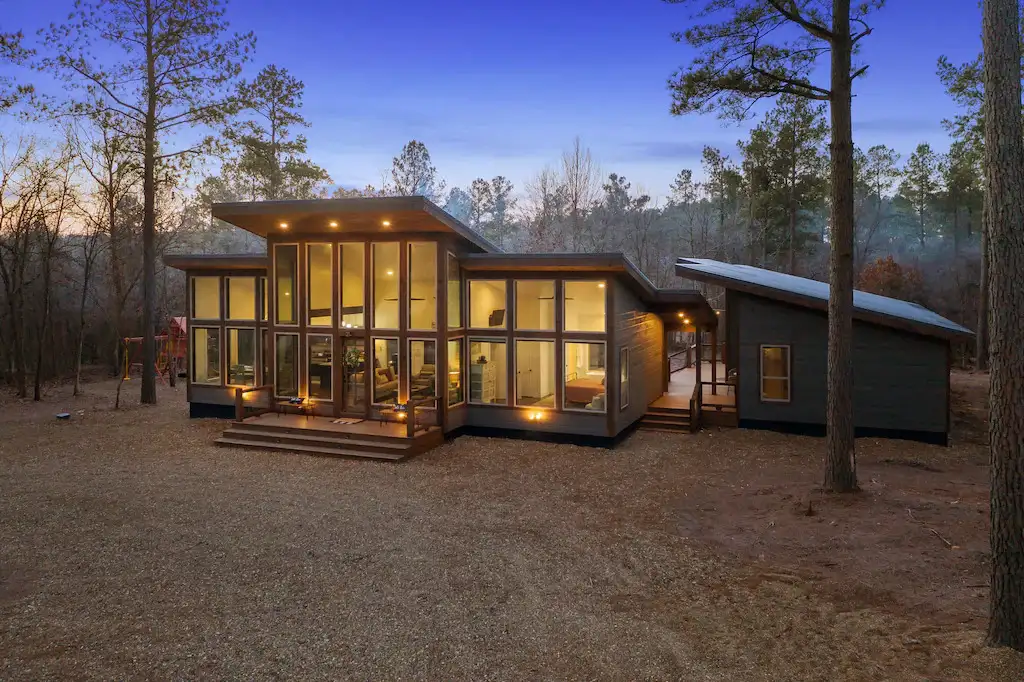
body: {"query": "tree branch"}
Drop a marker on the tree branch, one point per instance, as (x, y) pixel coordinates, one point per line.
(793, 14)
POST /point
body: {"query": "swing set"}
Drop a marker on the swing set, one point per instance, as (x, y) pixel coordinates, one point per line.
(171, 351)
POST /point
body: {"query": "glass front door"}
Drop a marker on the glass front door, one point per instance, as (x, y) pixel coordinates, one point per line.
(353, 382)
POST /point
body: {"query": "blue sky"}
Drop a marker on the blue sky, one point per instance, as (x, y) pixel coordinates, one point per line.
(502, 88)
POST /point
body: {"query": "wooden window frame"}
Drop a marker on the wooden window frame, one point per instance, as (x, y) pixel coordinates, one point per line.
(469, 305)
(564, 376)
(373, 289)
(515, 310)
(565, 329)
(367, 266)
(192, 355)
(449, 258)
(408, 359)
(624, 386)
(220, 298)
(295, 293)
(298, 364)
(408, 289)
(308, 298)
(319, 331)
(256, 378)
(788, 378)
(372, 355)
(486, 339)
(461, 340)
(227, 298)
(515, 374)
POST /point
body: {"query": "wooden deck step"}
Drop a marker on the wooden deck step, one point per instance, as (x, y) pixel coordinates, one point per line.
(318, 438)
(324, 449)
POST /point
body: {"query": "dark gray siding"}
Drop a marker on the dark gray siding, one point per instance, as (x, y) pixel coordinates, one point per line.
(517, 419)
(900, 379)
(211, 395)
(644, 334)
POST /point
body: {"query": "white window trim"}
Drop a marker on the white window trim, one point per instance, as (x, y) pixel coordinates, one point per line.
(469, 306)
(373, 379)
(408, 360)
(263, 294)
(308, 298)
(462, 372)
(624, 395)
(788, 378)
(447, 280)
(227, 355)
(341, 286)
(192, 298)
(298, 365)
(485, 339)
(515, 375)
(408, 276)
(373, 287)
(515, 310)
(192, 355)
(227, 298)
(565, 328)
(273, 299)
(565, 376)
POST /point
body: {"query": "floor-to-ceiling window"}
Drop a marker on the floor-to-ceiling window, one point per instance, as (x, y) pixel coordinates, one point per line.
(320, 363)
(488, 371)
(241, 357)
(535, 373)
(353, 284)
(286, 265)
(206, 355)
(422, 285)
(584, 375)
(385, 371)
(320, 291)
(385, 285)
(286, 365)
(423, 370)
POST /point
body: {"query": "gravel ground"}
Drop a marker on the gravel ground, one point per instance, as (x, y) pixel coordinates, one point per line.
(132, 548)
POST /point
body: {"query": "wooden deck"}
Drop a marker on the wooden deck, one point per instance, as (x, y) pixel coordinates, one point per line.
(322, 436)
(680, 390)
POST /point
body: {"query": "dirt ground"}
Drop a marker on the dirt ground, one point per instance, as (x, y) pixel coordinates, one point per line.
(131, 548)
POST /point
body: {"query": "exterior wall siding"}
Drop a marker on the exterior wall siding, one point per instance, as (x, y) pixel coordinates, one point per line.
(900, 379)
(644, 334)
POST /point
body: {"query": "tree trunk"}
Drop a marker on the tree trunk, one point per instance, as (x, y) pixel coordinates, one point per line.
(86, 267)
(981, 338)
(37, 388)
(840, 461)
(149, 227)
(1004, 180)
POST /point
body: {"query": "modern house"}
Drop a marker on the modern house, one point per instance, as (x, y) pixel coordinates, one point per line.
(376, 327)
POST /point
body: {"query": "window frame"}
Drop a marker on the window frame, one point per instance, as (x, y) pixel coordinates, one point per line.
(373, 289)
(264, 301)
(408, 289)
(309, 337)
(227, 298)
(564, 376)
(227, 355)
(461, 340)
(788, 378)
(220, 298)
(486, 339)
(192, 356)
(273, 309)
(515, 306)
(308, 297)
(341, 285)
(565, 327)
(469, 305)
(624, 362)
(398, 366)
(449, 257)
(298, 365)
(515, 373)
(408, 360)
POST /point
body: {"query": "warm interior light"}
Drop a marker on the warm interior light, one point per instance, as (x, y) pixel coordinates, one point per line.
(386, 223)
(287, 293)
(389, 273)
(600, 285)
(283, 226)
(681, 315)
(333, 223)
(718, 312)
(535, 416)
(686, 320)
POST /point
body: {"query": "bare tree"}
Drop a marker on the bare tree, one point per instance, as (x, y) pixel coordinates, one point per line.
(581, 180)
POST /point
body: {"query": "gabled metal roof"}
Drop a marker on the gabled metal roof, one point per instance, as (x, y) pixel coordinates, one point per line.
(811, 293)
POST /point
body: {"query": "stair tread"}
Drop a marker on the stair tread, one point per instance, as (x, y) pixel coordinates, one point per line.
(654, 430)
(397, 444)
(291, 447)
(661, 420)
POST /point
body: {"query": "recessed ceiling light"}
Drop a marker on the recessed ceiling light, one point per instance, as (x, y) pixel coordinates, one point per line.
(333, 223)
(681, 315)
(283, 226)
(686, 320)
(600, 285)
(386, 223)
(390, 273)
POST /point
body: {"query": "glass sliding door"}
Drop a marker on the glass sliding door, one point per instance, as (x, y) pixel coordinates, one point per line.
(353, 375)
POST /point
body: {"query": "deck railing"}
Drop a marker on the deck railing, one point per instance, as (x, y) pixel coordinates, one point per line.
(240, 406)
(412, 423)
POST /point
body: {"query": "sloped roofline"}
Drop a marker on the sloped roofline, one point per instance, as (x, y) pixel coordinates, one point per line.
(690, 269)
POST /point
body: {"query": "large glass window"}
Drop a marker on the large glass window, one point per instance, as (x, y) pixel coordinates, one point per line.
(455, 390)
(205, 355)
(584, 377)
(286, 265)
(535, 373)
(385, 285)
(353, 359)
(320, 291)
(286, 365)
(242, 357)
(454, 293)
(487, 304)
(385, 371)
(535, 305)
(241, 296)
(264, 303)
(422, 285)
(423, 370)
(319, 362)
(353, 284)
(488, 372)
(584, 306)
(623, 377)
(206, 298)
(775, 374)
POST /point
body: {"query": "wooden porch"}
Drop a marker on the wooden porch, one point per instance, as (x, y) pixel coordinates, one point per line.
(363, 438)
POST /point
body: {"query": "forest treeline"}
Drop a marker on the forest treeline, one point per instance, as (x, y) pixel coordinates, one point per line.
(73, 198)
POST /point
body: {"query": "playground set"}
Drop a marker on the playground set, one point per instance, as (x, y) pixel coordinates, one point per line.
(171, 351)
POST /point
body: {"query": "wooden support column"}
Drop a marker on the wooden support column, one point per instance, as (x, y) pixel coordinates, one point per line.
(666, 366)
(714, 361)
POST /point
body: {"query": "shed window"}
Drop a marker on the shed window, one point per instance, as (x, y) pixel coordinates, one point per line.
(206, 298)
(775, 374)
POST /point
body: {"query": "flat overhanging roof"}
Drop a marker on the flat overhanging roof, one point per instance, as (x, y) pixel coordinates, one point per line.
(194, 261)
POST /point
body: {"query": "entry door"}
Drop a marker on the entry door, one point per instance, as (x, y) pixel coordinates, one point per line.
(352, 360)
